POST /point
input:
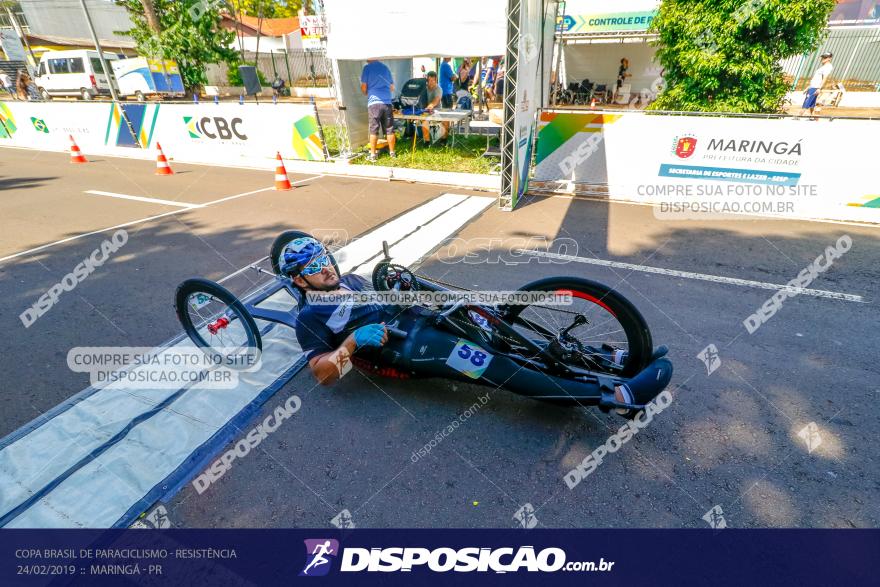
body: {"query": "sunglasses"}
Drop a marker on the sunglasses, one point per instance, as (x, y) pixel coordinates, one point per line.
(316, 265)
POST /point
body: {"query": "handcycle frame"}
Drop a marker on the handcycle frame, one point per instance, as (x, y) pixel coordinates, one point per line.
(542, 360)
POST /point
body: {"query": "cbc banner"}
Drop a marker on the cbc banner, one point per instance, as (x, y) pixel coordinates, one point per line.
(199, 133)
(700, 167)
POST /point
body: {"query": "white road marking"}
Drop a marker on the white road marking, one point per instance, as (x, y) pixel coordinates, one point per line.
(142, 220)
(819, 293)
(143, 199)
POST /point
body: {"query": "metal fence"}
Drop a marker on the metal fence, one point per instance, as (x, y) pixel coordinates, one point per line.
(296, 66)
(856, 60)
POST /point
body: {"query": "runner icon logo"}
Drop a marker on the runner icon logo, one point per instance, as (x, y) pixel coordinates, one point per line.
(715, 518)
(710, 358)
(343, 520)
(319, 555)
(526, 516)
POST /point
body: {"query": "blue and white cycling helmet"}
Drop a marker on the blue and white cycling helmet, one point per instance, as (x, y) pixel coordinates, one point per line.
(299, 253)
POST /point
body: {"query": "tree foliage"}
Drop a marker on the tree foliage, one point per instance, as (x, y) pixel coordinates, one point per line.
(190, 34)
(267, 8)
(724, 55)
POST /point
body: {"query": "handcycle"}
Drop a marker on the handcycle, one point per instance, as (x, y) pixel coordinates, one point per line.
(571, 355)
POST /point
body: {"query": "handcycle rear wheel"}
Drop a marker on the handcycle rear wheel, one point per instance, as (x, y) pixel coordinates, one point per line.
(218, 323)
(612, 320)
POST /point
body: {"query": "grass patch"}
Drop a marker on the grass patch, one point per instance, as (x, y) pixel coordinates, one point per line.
(465, 157)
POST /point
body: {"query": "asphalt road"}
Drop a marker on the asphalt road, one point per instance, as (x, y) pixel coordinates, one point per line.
(729, 438)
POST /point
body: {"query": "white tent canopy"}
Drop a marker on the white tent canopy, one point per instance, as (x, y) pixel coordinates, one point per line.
(388, 29)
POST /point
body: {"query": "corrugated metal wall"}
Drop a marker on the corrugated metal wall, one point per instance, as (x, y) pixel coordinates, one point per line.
(65, 18)
(856, 60)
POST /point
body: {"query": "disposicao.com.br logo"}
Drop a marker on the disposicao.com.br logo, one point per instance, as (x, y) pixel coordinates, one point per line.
(318, 556)
(441, 560)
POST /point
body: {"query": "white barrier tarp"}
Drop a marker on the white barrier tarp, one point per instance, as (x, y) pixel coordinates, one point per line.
(199, 133)
(381, 29)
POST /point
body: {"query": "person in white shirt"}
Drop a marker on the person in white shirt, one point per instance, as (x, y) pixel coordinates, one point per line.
(7, 85)
(819, 79)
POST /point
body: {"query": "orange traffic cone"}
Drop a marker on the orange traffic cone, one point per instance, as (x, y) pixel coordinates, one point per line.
(162, 167)
(282, 183)
(76, 155)
(593, 104)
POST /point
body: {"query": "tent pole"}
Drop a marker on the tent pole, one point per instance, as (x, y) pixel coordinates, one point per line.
(509, 185)
(557, 46)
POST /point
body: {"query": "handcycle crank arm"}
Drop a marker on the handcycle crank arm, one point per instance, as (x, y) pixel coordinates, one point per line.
(396, 332)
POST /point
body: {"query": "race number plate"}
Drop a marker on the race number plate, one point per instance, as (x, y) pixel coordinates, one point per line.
(200, 300)
(470, 359)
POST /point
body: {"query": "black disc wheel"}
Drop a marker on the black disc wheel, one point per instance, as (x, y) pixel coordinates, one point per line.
(600, 331)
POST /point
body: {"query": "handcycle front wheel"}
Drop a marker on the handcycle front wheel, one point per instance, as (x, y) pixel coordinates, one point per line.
(218, 323)
(612, 321)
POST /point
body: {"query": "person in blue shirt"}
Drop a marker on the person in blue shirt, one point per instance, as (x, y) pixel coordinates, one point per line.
(377, 85)
(447, 77)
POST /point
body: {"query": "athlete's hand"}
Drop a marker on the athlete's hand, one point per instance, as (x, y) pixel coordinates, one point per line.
(374, 335)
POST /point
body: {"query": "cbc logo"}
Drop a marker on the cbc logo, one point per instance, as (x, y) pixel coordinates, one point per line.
(215, 127)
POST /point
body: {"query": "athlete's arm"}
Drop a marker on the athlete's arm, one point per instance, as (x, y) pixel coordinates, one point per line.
(329, 367)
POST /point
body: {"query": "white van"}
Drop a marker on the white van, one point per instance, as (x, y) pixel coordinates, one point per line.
(72, 73)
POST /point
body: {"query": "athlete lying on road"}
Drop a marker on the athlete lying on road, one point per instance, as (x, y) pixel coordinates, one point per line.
(331, 335)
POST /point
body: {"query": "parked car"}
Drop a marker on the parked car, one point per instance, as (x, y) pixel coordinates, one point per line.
(72, 73)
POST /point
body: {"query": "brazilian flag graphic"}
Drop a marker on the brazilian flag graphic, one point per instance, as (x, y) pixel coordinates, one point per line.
(40, 125)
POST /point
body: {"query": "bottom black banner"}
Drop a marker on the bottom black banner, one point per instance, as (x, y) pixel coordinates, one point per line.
(439, 557)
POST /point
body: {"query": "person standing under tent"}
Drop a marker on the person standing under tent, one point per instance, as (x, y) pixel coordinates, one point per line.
(819, 78)
(498, 88)
(7, 85)
(377, 85)
(446, 79)
(488, 77)
(464, 74)
(622, 74)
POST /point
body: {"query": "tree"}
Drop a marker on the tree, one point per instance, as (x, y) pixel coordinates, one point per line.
(187, 31)
(268, 8)
(150, 16)
(724, 55)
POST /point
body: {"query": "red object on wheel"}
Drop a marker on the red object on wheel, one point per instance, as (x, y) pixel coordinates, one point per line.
(220, 324)
(162, 167)
(282, 183)
(76, 155)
